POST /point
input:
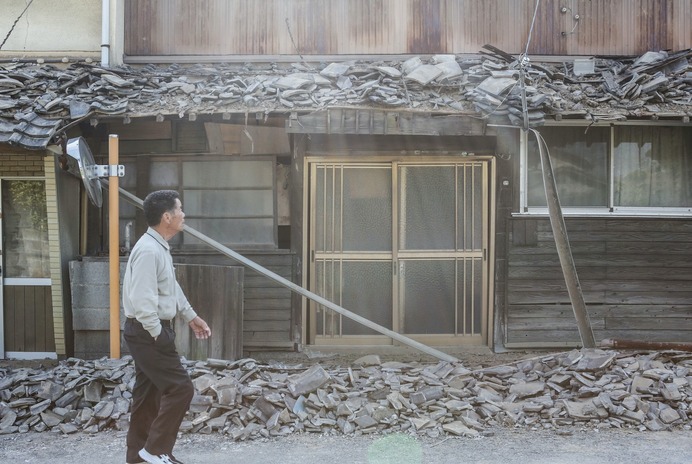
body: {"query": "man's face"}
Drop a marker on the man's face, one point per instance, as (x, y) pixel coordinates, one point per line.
(176, 218)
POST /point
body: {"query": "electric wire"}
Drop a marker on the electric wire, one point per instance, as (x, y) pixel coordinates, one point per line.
(523, 61)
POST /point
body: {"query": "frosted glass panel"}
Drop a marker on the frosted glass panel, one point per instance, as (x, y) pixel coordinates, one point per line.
(580, 164)
(365, 288)
(164, 175)
(247, 231)
(325, 205)
(427, 208)
(367, 291)
(470, 215)
(367, 209)
(225, 174)
(428, 296)
(234, 203)
(129, 180)
(469, 290)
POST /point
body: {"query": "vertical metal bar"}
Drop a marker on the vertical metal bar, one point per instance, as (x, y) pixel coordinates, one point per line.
(474, 246)
(458, 218)
(563, 248)
(394, 169)
(611, 174)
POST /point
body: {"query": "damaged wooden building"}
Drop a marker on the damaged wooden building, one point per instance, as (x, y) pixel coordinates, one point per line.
(373, 152)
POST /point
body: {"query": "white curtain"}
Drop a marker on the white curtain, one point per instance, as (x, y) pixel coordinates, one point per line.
(652, 166)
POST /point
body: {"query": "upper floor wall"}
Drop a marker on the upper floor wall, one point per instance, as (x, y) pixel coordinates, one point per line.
(46, 28)
(199, 30)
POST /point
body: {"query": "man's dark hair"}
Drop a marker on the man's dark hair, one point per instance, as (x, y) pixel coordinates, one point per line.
(157, 203)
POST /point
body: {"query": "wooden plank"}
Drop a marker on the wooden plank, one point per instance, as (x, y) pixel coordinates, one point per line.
(635, 236)
(650, 323)
(267, 304)
(267, 293)
(519, 324)
(377, 122)
(632, 311)
(646, 261)
(559, 336)
(142, 130)
(264, 314)
(267, 339)
(638, 298)
(267, 326)
(554, 272)
(30, 309)
(235, 139)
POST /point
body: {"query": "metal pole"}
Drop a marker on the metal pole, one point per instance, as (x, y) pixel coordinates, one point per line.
(114, 247)
(564, 251)
(300, 290)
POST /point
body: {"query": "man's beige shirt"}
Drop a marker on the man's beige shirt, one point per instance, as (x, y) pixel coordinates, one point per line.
(150, 291)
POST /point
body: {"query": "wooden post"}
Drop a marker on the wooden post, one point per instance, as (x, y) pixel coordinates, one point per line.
(114, 246)
(564, 251)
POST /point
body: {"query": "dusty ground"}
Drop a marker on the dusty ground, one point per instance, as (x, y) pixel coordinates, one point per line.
(574, 446)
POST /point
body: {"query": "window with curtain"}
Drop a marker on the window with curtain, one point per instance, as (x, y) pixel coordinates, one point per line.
(580, 163)
(646, 167)
(652, 167)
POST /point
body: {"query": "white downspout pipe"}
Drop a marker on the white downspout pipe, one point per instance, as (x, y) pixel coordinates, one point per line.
(105, 33)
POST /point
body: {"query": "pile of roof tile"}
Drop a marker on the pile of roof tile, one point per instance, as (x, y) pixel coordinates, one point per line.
(246, 400)
(493, 85)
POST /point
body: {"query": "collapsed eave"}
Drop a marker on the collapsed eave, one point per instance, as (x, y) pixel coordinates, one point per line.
(462, 94)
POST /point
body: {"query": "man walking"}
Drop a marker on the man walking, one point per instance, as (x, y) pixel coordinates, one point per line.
(151, 299)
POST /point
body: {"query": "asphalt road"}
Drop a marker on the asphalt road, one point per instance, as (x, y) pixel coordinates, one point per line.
(578, 446)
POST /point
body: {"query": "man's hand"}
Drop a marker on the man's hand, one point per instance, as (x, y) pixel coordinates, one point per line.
(200, 328)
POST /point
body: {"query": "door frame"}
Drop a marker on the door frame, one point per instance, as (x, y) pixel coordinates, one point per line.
(18, 281)
(316, 157)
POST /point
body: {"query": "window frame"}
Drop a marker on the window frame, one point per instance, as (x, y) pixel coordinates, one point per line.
(610, 209)
(179, 243)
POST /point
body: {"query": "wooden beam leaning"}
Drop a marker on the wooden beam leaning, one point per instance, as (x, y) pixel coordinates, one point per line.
(300, 290)
(359, 121)
(564, 251)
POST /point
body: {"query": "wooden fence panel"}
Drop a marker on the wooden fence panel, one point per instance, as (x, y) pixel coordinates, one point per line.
(216, 294)
(28, 318)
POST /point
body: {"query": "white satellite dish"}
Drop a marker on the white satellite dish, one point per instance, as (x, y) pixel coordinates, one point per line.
(89, 171)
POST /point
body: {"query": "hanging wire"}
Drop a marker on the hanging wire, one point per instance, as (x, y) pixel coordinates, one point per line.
(522, 64)
(523, 61)
(533, 21)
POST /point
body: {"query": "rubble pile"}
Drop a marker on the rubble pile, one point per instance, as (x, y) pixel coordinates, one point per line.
(493, 83)
(245, 399)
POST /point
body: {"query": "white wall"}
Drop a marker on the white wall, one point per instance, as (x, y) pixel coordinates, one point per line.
(51, 28)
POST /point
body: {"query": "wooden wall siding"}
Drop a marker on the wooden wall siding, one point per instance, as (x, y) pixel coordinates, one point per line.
(636, 277)
(29, 322)
(267, 317)
(368, 27)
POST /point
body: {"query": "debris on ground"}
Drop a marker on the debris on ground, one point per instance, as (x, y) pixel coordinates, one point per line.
(245, 399)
